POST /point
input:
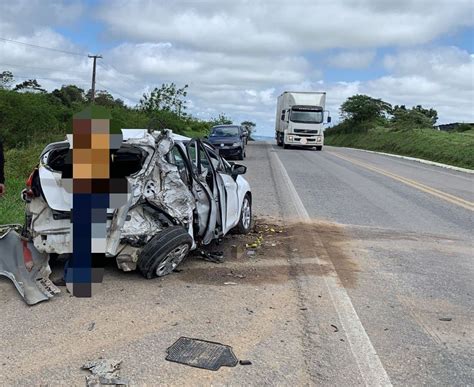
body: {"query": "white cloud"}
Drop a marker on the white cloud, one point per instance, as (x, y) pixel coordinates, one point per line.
(238, 56)
(281, 26)
(360, 59)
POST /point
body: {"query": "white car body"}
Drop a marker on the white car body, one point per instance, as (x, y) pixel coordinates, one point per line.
(205, 219)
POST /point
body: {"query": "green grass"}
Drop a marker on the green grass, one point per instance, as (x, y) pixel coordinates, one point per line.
(444, 147)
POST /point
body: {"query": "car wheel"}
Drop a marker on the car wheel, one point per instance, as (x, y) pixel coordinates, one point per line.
(319, 148)
(245, 222)
(241, 155)
(162, 254)
(285, 146)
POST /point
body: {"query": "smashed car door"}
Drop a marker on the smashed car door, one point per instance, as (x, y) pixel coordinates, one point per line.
(228, 193)
(204, 190)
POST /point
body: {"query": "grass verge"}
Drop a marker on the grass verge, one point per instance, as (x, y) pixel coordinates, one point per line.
(443, 147)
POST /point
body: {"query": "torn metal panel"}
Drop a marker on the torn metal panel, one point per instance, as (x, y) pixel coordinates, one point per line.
(26, 267)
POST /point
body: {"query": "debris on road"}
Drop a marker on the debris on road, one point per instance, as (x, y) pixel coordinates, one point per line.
(91, 326)
(104, 372)
(230, 283)
(214, 256)
(201, 354)
(232, 274)
(336, 329)
(25, 266)
(245, 362)
(445, 319)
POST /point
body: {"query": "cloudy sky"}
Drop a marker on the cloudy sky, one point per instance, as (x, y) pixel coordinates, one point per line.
(238, 55)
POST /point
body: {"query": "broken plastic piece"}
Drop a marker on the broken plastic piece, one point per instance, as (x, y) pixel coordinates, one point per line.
(26, 267)
(104, 371)
(216, 256)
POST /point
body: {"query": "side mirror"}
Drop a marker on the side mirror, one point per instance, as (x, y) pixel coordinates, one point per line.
(329, 119)
(238, 169)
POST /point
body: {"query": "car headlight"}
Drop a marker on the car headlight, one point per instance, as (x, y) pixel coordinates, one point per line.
(290, 138)
(236, 144)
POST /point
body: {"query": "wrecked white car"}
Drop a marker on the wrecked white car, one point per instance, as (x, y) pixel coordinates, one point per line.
(182, 195)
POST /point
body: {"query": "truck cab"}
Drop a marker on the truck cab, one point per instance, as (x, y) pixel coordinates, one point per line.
(300, 119)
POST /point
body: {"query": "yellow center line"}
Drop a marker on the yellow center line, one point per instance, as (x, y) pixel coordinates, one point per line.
(412, 183)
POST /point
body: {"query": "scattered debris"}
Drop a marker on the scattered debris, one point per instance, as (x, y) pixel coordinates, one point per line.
(91, 326)
(251, 252)
(245, 362)
(336, 329)
(232, 274)
(445, 319)
(104, 372)
(201, 354)
(215, 256)
(230, 283)
(303, 308)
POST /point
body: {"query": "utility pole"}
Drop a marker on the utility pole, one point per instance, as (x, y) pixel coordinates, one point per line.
(93, 74)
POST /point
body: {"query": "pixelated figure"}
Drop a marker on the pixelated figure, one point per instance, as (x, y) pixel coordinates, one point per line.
(90, 176)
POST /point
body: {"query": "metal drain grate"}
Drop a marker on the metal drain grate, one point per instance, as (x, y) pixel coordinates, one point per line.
(201, 354)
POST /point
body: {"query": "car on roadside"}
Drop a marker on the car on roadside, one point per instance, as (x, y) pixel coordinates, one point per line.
(182, 195)
(230, 140)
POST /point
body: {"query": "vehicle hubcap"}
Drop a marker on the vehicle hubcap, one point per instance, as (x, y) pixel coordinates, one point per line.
(172, 260)
(246, 213)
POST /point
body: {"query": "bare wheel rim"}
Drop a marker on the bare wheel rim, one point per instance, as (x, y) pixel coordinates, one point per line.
(246, 213)
(172, 259)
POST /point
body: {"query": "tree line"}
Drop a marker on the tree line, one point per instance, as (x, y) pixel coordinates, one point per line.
(361, 113)
(30, 114)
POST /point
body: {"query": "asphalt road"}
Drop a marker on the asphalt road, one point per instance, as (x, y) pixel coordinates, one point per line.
(374, 252)
(408, 227)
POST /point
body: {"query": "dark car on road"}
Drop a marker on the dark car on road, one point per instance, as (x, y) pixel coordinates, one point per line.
(229, 140)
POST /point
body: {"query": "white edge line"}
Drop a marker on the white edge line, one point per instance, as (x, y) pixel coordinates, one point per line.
(367, 359)
(423, 161)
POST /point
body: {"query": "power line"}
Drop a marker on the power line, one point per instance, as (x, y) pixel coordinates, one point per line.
(115, 92)
(42, 47)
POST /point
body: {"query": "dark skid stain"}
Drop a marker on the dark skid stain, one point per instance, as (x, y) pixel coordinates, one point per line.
(294, 254)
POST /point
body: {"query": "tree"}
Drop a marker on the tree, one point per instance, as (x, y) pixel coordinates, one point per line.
(29, 85)
(168, 97)
(249, 125)
(222, 119)
(415, 118)
(69, 95)
(6, 79)
(362, 108)
(431, 114)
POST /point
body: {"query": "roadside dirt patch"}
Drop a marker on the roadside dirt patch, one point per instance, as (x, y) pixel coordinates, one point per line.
(275, 252)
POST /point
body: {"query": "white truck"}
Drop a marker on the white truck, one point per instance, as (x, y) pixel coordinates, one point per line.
(299, 119)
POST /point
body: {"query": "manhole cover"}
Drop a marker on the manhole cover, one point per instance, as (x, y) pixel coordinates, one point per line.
(201, 354)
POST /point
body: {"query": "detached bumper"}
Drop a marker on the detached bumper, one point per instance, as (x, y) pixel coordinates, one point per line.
(26, 267)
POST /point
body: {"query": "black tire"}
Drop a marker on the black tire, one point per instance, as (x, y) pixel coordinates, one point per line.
(159, 251)
(245, 222)
(319, 148)
(278, 140)
(285, 146)
(241, 155)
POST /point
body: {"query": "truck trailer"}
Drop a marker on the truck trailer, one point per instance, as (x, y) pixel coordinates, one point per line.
(300, 118)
